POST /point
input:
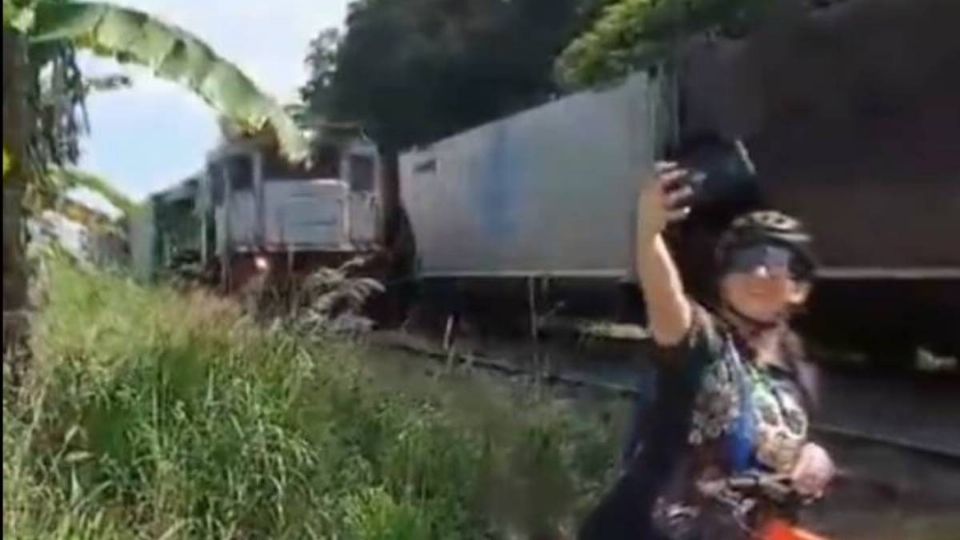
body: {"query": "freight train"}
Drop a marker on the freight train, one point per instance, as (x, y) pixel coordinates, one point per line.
(851, 114)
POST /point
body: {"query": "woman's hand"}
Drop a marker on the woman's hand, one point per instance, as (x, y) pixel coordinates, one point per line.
(662, 200)
(813, 472)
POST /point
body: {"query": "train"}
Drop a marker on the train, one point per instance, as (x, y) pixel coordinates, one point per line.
(248, 211)
(850, 113)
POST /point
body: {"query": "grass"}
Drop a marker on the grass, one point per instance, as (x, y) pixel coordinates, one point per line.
(150, 414)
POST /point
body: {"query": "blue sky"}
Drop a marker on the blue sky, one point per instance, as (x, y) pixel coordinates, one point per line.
(156, 133)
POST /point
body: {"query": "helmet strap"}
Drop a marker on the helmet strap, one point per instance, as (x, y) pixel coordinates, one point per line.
(750, 326)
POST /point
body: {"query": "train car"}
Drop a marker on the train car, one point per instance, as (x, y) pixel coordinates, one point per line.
(141, 234)
(87, 235)
(165, 233)
(547, 193)
(850, 113)
(539, 203)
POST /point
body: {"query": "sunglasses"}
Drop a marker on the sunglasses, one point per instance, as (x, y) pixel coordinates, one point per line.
(778, 260)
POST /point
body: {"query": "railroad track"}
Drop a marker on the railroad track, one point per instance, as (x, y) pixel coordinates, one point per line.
(409, 344)
(893, 488)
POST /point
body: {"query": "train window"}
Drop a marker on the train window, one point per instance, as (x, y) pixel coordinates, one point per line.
(323, 165)
(361, 173)
(239, 170)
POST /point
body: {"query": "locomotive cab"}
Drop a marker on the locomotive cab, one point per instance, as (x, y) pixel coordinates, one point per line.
(251, 210)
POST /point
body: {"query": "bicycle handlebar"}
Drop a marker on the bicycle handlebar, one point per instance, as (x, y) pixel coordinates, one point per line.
(736, 492)
(777, 487)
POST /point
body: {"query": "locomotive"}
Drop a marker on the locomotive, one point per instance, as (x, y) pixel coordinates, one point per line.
(250, 211)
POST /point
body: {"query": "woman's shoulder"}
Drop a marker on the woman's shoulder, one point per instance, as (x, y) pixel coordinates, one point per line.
(703, 342)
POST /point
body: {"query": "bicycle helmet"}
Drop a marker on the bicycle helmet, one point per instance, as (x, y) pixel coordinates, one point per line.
(769, 227)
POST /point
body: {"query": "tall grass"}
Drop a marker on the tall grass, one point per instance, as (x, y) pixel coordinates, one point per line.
(149, 414)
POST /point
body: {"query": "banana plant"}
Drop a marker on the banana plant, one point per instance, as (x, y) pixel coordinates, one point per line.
(169, 52)
(69, 178)
(42, 34)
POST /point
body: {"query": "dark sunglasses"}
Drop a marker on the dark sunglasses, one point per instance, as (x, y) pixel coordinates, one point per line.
(776, 259)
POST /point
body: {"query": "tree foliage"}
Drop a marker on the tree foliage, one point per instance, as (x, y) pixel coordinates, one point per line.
(629, 34)
(322, 66)
(412, 71)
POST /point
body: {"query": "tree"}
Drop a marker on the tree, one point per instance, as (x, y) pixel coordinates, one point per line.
(412, 71)
(43, 92)
(322, 65)
(629, 34)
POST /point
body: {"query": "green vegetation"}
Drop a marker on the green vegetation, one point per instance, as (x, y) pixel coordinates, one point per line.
(631, 34)
(169, 52)
(148, 414)
(413, 71)
(43, 97)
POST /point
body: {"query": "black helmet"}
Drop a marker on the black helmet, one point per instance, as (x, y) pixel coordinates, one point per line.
(769, 227)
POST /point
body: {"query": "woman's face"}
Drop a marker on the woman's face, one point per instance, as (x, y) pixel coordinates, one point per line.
(762, 287)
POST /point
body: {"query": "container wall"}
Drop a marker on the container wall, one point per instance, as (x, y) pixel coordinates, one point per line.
(852, 115)
(550, 191)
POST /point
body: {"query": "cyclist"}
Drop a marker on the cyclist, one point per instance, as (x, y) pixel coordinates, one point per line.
(734, 391)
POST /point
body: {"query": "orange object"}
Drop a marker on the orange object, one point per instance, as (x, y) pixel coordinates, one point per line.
(781, 530)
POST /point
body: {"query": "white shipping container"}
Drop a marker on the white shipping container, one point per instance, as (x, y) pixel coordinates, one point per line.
(548, 192)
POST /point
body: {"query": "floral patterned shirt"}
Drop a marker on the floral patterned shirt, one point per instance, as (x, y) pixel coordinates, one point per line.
(743, 416)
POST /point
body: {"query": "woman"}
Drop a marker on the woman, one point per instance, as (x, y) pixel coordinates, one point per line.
(734, 393)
